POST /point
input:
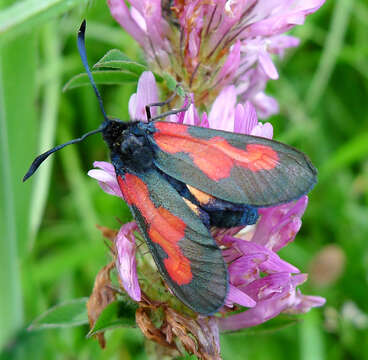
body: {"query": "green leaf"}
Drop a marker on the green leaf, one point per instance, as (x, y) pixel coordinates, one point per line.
(68, 314)
(24, 15)
(117, 60)
(104, 77)
(271, 326)
(117, 314)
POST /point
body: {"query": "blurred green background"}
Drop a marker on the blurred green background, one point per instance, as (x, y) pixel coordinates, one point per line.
(50, 249)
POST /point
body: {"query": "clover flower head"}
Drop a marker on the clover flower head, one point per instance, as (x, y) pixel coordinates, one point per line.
(213, 44)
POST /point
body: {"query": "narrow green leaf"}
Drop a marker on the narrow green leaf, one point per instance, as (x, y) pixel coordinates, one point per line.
(311, 337)
(104, 77)
(77, 179)
(68, 314)
(117, 314)
(331, 51)
(269, 327)
(117, 60)
(23, 15)
(52, 90)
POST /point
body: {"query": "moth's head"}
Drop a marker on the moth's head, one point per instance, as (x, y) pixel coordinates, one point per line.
(112, 132)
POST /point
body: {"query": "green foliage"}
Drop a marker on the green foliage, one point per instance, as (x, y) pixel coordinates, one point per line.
(50, 248)
(21, 16)
(117, 314)
(102, 77)
(68, 314)
(117, 60)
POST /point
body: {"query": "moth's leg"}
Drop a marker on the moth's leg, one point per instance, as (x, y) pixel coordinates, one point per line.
(162, 103)
(171, 112)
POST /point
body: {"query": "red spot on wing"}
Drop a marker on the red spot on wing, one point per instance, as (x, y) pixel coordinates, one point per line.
(215, 157)
(164, 228)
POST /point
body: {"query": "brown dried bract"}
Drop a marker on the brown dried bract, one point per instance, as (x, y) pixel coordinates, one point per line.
(148, 329)
(177, 331)
(102, 295)
(196, 337)
(107, 232)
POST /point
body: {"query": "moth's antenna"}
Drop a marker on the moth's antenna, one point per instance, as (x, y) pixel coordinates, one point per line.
(41, 158)
(83, 55)
(82, 51)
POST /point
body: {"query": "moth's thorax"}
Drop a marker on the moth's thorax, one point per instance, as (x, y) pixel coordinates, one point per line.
(129, 146)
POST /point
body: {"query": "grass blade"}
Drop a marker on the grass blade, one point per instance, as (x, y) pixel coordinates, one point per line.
(333, 46)
(52, 90)
(10, 300)
(311, 338)
(17, 120)
(23, 15)
(78, 183)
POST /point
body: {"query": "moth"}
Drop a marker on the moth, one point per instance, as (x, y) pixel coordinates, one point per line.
(180, 180)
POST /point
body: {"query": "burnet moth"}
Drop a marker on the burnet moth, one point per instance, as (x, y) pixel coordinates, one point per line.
(180, 180)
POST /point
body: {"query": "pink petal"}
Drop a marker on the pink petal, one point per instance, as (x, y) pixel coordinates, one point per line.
(246, 268)
(132, 106)
(273, 293)
(236, 296)
(303, 303)
(222, 113)
(106, 178)
(228, 70)
(156, 26)
(284, 19)
(267, 65)
(147, 93)
(138, 18)
(259, 314)
(191, 116)
(121, 13)
(266, 105)
(105, 166)
(279, 43)
(272, 264)
(126, 262)
(245, 118)
(263, 130)
(279, 225)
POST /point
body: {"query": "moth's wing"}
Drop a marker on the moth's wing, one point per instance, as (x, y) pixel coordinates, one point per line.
(239, 168)
(184, 251)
